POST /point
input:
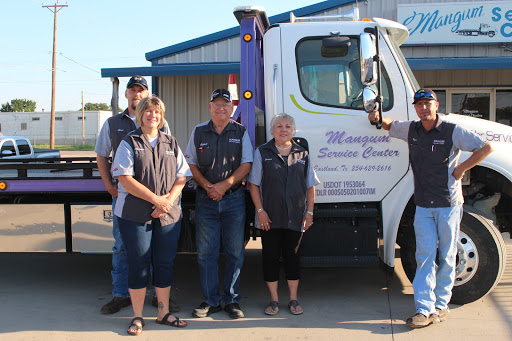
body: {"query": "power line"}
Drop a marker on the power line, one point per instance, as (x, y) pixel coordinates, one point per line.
(60, 54)
(74, 61)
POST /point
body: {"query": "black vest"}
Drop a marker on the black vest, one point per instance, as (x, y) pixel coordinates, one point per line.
(120, 125)
(283, 185)
(155, 169)
(218, 156)
(429, 153)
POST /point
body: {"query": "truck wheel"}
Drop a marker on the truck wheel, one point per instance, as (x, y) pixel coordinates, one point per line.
(481, 257)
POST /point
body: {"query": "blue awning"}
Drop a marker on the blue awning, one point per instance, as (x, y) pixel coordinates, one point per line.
(234, 67)
(174, 70)
(459, 63)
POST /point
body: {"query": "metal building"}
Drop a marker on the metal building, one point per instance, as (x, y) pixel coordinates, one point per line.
(460, 48)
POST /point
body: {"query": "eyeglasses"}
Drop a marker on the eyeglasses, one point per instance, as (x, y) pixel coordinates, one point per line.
(225, 105)
(419, 95)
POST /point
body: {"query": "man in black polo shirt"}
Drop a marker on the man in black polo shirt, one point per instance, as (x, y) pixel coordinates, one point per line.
(220, 155)
(434, 150)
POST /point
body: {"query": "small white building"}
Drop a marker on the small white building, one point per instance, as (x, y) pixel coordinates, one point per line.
(70, 129)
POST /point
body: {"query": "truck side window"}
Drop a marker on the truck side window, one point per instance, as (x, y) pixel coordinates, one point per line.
(334, 79)
(23, 147)
(8, 145)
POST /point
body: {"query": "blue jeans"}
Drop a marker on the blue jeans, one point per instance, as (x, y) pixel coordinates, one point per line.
(148, 244)
(119, 264)
(435, 228)
(216, 220)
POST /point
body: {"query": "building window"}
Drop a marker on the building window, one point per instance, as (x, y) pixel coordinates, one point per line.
(58, 118)
(23, 126)
(504, 106)
(441, 98)
(35, 118)
(80, 118)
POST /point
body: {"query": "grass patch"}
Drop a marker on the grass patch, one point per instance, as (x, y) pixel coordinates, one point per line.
(66, 147)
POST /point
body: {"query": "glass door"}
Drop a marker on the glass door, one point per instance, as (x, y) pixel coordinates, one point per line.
(471, 102)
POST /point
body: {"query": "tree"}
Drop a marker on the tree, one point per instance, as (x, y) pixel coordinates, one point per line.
(96, 107)
(19, 105)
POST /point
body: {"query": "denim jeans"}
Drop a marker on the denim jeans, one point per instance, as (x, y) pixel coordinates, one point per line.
(119, 265)
(435, 228)
(216, 220)
(148, 244)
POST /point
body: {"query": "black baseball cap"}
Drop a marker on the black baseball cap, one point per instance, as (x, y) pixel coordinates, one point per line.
(137, 80)
(425, 93)
(221, 93)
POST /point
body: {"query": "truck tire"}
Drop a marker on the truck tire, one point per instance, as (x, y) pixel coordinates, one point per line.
(481, 257)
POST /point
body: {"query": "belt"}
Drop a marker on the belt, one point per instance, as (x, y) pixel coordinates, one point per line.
(228, 192)
(233, 189)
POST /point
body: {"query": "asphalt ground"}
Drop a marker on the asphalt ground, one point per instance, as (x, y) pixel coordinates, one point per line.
(55, 296)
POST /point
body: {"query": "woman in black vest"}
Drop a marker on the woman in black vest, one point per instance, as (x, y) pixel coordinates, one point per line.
(152, 171)
(282, 186)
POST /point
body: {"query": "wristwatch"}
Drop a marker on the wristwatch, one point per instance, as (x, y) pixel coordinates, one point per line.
(259, 210)
(310, 212)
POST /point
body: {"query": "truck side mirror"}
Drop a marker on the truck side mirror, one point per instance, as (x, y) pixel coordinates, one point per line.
(367, 58)
(6, 152)
(335, 46)
(370, 102)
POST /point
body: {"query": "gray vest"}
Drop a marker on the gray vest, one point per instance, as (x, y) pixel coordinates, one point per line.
(429, 154)
(283, 185)
(218, 156)
(155, 169)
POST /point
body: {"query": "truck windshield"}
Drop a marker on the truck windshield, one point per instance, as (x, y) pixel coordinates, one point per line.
(333, 79)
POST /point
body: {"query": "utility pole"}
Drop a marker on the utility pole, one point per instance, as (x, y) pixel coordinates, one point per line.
(83, 120)
(54, 8)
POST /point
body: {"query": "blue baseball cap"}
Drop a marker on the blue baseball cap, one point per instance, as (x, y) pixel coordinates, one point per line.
(139, 80)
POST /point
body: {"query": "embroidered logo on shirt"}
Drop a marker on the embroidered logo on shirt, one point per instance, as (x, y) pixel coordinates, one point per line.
(267, 160)
(169, 152)
(120, 129)
(234, 140)
(301, 161)
(438, 142)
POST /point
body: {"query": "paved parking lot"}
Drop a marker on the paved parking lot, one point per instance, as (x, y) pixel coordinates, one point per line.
(58, 297)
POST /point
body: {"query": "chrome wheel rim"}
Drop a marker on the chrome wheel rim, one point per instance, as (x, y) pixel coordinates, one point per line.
(467, 259)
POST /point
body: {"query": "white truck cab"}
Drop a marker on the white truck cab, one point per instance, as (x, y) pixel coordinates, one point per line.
(327, 72)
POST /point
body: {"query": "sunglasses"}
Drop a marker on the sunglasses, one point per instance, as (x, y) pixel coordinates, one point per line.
(419, 95)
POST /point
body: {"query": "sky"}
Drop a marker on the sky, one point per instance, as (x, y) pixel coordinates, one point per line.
(96, 34)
